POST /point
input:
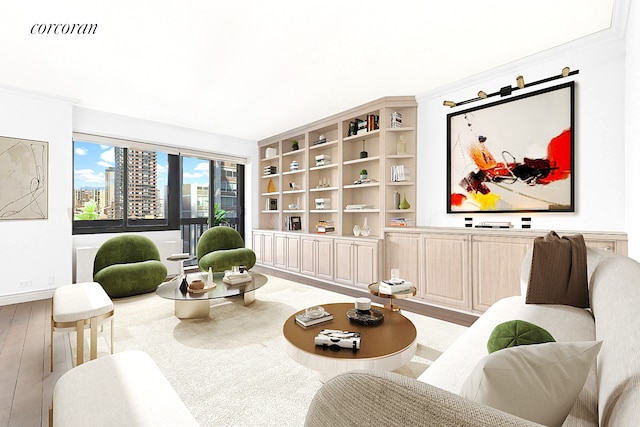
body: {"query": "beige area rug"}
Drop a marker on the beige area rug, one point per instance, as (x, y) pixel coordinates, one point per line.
(231, 368)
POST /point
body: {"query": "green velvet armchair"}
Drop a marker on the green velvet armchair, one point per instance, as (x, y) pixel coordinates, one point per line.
(128, 265)
(221, 248)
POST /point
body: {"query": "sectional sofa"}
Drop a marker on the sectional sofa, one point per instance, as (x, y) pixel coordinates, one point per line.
(609, 396)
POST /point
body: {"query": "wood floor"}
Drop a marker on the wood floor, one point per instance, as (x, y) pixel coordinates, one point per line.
(26, 383)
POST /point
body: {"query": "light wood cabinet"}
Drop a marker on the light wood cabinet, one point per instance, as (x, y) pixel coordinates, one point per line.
(445, 275)
(496, 267)
(470, 269)
(403, 251)
(316, 255)
(356, 262)
(287, 252)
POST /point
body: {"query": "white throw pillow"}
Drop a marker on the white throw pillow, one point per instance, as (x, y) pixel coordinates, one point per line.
(538, 382)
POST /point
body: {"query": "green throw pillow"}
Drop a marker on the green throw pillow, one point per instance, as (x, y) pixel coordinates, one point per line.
(517, 332)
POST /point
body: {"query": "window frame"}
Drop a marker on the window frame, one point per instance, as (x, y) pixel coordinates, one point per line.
(174, 188)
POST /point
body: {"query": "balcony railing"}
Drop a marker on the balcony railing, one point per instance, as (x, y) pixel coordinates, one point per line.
(190, 231)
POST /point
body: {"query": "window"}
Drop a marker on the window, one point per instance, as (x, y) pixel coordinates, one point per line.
(124, 186)
(121, 189)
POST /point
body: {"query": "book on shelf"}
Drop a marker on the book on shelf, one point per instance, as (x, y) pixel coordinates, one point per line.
(400, 222)
(304, 320)
(292, 223)
(392, 286)
(399, 173)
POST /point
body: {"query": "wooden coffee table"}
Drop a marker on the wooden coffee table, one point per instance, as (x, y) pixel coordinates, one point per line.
(386, 346)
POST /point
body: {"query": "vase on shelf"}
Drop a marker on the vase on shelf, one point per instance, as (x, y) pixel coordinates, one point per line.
(365, 230)
(356, 230)
(396, 200)
(271, 187)
(401, 146)
(404, 204)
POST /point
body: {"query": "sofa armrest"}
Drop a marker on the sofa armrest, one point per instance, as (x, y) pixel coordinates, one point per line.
(385, 398)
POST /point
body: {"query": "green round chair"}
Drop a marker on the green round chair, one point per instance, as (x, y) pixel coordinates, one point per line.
(221, 248)
(128, 265)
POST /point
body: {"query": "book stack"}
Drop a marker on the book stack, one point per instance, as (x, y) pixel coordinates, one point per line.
(394, 286)
(399, 173)
(304, 320)
(325, 226)
(235, 277)
(396, 120)
(323, 203)
(270, 170)
(323, 160)
(400, 222)
(320, 141)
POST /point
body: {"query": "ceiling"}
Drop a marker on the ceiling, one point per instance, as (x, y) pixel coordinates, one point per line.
(255, 68)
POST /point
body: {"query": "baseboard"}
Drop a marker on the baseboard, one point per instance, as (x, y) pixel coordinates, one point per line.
(26, 297)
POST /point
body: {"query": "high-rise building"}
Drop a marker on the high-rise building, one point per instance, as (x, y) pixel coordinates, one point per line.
(142, 192)
(109, 192)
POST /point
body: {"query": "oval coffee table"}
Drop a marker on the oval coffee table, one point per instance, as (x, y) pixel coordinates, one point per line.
(191, 305)
(386, 346)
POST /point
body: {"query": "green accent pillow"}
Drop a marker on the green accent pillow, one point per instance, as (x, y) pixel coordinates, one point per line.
(517, 332)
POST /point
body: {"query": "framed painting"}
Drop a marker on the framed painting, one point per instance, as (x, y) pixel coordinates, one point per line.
(513, 155)
(23, 179)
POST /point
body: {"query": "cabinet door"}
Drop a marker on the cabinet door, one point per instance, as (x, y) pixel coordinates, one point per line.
(293, 253)
(308, 256)
(497, 263)
(257, 247)
(267, 249)
(446, 270)
(402, 251)
(344, 271)
(280, 251)
(366, 264)
(324, 259)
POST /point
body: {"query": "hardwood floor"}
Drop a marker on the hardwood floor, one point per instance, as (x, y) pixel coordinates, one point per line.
(27, 383)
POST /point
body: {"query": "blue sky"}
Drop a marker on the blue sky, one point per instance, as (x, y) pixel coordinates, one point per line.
(91, 160)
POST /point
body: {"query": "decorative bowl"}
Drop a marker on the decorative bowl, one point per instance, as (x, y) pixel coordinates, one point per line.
(314, 312)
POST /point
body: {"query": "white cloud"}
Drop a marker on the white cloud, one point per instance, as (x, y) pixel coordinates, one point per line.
(82, 151)
(108, 156)
(88, 176)
(204, 166)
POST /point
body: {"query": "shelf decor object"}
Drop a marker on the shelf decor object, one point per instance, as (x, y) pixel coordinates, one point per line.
(404, 204)
(271, 187)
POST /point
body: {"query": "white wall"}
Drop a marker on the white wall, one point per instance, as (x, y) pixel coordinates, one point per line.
(43, 251)
(632, 117)
(599, 135)
(39, 251)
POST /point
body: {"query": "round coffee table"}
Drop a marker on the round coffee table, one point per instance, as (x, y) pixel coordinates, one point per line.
(386, 346)
(191, 305)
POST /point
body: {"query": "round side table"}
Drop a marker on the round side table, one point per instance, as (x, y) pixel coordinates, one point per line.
(374, 289)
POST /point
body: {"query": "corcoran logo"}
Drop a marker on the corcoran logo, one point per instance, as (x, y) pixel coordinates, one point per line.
(64, 28)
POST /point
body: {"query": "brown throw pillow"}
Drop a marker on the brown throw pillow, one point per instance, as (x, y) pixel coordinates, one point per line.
(559, 271)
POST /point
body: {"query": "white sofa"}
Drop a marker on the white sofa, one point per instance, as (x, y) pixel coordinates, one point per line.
(610, 396)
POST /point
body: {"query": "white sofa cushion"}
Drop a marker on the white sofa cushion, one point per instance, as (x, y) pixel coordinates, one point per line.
(538, 382)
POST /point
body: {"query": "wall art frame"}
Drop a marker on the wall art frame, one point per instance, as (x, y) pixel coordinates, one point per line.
(513, 155)
(24, 168)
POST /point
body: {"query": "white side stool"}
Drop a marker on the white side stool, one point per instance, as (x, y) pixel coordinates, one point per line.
(76, 306)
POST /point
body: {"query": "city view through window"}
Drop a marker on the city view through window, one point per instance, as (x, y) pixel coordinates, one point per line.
(100, 182)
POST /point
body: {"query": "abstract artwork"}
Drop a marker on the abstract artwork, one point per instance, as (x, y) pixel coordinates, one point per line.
(514, 155)
(23, 179)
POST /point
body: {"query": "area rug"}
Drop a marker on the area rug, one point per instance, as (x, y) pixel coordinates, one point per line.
(231, 369)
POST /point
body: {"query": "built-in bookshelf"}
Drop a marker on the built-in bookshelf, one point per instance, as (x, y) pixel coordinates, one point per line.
(319, 181)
